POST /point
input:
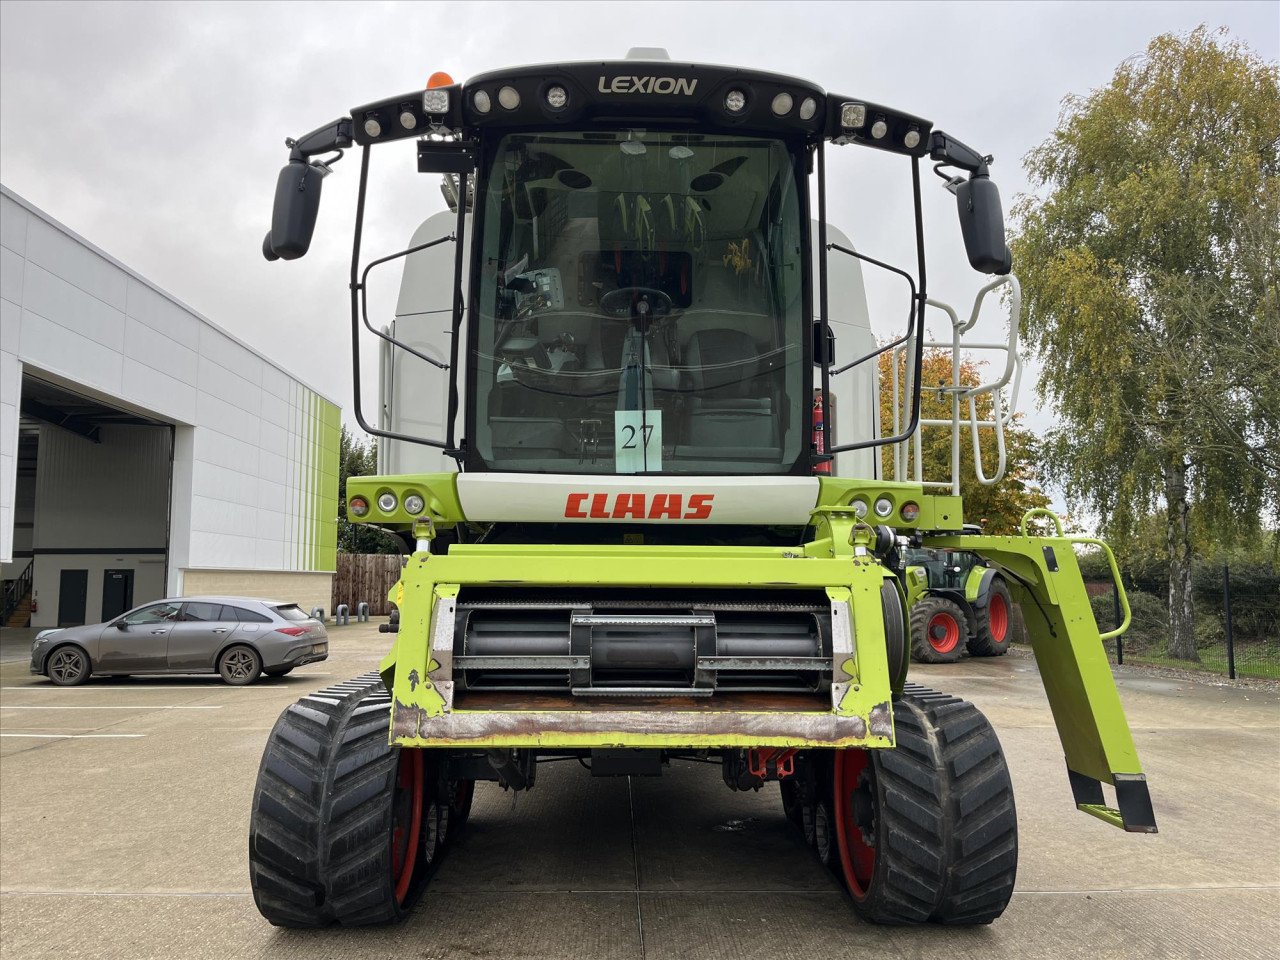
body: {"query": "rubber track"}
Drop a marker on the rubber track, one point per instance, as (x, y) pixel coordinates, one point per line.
(978, 820)
(318, 850)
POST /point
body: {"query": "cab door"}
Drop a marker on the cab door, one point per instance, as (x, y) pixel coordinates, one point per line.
(199, 634)
(139, 641)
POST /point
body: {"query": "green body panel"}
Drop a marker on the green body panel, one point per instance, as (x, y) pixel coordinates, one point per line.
(441, 494)
(439, 490)
(1068, 648)
(973, 582)
(917, 579)
(858, 712)
(936, 512)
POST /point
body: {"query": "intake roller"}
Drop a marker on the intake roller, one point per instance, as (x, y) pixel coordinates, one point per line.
(595, 647)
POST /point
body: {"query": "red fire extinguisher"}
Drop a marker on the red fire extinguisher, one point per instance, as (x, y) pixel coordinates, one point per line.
(819, 442)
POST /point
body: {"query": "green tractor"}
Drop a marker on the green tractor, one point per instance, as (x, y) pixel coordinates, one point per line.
(638, 529)
(957, 602)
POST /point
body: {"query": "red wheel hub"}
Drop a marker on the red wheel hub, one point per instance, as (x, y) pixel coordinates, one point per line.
(856, 804)
(998, 617)
(943, 632)
(407, 802)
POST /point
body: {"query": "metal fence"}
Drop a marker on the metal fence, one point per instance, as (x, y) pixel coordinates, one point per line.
(1237, 627)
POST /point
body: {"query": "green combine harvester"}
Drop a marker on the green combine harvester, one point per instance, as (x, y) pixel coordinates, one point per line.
(640, 529)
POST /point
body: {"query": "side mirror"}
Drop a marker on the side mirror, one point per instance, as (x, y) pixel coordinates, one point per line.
(824, 345)
(293, 219)
(982, 224)
(120, 624)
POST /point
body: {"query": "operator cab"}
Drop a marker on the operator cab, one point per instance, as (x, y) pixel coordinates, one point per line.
(639, 304)
(640, 272)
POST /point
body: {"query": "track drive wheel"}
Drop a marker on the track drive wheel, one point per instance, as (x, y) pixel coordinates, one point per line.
(938, 628)
(927, 830)
(344, 828)
(994, 626)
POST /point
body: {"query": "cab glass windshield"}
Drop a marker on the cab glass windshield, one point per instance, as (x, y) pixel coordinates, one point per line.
(640, 305)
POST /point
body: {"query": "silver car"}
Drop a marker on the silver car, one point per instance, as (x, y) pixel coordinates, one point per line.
(238, 637)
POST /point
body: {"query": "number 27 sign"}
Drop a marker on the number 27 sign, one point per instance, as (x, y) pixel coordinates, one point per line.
(637, 441)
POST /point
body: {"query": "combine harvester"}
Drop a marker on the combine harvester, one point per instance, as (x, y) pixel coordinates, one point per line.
(609, 434)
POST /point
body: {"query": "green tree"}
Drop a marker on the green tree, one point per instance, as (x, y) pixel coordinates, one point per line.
(358, 459)
(999, 507)
(1148, 268)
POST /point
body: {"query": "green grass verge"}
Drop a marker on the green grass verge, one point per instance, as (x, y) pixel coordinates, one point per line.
(1213, 659)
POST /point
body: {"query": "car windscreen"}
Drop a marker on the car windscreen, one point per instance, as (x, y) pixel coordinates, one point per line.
(640, 300)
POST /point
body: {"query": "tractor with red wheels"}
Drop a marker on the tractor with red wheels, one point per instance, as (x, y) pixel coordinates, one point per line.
(957, 603)
(629, 537)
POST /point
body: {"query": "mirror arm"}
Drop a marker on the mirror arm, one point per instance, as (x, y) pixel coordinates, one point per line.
(946, 149)
(335, 135)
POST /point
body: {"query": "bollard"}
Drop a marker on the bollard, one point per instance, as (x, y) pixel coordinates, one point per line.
(342, 615)
(317, 613)
(362, 612)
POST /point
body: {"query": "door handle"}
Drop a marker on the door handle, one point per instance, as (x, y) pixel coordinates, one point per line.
(219, 629)
(155, 632)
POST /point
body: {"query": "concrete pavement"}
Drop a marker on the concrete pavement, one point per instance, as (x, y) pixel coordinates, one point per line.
(124, 808)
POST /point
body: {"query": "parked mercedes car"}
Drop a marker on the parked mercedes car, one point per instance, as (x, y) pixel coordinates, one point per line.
(238, 637)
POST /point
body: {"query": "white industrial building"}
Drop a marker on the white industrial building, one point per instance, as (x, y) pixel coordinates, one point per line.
(145, 451)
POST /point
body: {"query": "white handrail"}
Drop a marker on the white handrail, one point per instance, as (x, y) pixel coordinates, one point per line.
(1001, 415)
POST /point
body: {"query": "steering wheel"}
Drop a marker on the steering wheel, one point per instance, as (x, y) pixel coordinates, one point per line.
(618, 303)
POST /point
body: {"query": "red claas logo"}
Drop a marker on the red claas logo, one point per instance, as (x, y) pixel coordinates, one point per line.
(638, 506)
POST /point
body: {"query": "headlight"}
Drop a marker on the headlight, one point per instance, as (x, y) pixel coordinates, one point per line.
(358, 506)
(735, 101)
(435, 101)
(387, 502)
(853, 115)
(884, 507)
(414, 504)
(509, 98)
(859, 508)
(910, 511)
(557, 97)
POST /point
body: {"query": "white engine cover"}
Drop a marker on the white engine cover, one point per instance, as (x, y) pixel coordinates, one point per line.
(585, 498)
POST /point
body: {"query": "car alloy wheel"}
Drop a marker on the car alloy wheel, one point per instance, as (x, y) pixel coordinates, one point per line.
(68, 666)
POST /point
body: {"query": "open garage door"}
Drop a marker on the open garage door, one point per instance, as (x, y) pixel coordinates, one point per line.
(98, 501)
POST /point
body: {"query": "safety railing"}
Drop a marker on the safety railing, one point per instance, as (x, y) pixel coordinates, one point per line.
(908, 459)
(15, 590)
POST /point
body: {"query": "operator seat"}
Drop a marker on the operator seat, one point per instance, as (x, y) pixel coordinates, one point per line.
(731, 403)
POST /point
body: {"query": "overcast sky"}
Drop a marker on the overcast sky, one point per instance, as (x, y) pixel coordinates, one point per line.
(156, 130)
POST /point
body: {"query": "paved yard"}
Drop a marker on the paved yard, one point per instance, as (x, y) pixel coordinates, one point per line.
(124, 809)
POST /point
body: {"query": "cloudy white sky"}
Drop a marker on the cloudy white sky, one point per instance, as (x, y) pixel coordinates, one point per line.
(155, 130)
